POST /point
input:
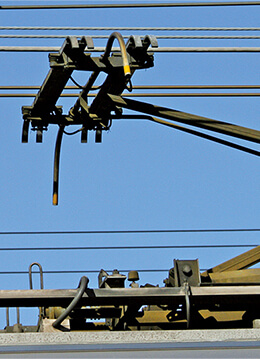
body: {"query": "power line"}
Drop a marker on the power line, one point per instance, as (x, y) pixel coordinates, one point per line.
(23, 249)
(137, 5)
(147, 87)
(169, 37)
(117, 49)
(127, 28)
(87, 271)
(249, 94)
(135, 231)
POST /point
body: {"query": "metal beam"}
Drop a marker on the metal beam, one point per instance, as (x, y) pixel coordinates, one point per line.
(202, 297)
(243, 261)
(189, 119)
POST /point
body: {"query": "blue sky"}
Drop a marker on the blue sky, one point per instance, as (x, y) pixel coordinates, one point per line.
(143, 175)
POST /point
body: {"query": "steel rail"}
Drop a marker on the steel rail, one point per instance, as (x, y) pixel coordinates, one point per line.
(125, 28)
(248, 94)
(130, 5)
(117, 49)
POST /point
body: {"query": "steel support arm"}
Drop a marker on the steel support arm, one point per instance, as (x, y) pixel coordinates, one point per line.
(189, 119)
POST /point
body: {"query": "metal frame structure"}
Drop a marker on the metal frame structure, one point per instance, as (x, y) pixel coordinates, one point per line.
(188, 300)
(109, 103)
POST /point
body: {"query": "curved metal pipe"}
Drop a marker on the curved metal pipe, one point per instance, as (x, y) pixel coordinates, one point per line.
(82, 287)
(56, 166)
(30, 274)
(119, 37)
(41, 309)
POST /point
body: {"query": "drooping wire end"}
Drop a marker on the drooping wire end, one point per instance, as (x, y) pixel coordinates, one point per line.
(56, 166)
(55, 199)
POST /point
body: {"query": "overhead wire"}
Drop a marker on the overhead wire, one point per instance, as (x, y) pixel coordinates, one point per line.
(199, 246)
(86, 271)
(145, 87)
(134, 231)
(126, 28)
(168, 37)
(130, 5)
(237, 94)
(161, 49)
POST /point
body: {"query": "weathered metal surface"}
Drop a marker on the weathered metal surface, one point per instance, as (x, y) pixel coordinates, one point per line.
(243, 261)
(237, 276)
(201, 296)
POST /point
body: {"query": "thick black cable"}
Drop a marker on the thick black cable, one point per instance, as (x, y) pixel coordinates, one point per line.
(137, 5)
(82, 288)
(135, 231)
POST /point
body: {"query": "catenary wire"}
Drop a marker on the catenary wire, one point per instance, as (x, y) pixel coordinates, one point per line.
(157, 50)
(124, 28)
(169, 37)
(130, 5)
(147, 87)
(199, 246)
(248, 94)
(135, 231)
(89, 271)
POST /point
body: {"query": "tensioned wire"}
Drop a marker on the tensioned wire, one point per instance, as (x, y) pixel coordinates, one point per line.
(147, 87)
(130, 5)
(88, 271)
(168, 37)
(237, 94)
(154, 49)
(134, 231)
(199, 246)
(129, 28)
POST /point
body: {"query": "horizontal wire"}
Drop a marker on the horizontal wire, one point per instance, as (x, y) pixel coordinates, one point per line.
(249, 94)
(87, 271)
(131, 28)
(140, 231)
(125, 5)
(117, 49)
(173, 37)
(146, 87)
(129, 247)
